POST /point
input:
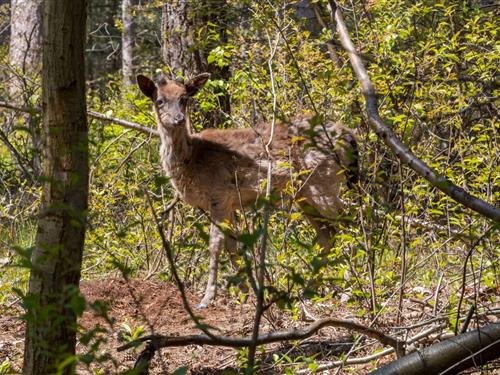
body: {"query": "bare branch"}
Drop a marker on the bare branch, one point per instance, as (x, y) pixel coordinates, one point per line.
(261, 266)
(124, 123)
(17, 156)
(268, 338)
(93, 114)
(390, 139)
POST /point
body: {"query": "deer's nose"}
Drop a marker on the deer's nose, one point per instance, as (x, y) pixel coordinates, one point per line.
(179, 119)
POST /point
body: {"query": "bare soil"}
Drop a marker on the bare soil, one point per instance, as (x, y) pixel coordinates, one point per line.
(156, 308)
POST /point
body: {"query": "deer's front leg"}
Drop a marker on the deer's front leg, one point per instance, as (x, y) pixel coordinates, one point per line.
(215, 245)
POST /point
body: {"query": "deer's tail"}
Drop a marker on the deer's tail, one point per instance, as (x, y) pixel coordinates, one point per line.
(352, 167)
(348, 153)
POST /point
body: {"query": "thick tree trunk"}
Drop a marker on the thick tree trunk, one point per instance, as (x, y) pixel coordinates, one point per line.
(182, 20)
(25, 48)
(128, 42)
(179, 51)
(53, 302)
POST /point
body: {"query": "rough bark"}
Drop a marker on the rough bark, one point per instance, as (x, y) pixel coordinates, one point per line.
(179, 50)
(185, 56)
(451, 356)
(305, 12)
(332, 51)
(25, 48)
(53, 301)
(128, 42)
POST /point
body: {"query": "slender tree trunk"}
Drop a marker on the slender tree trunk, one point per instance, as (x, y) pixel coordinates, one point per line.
(25, 55)
(53, 301)
(128, 42)
(25, 48)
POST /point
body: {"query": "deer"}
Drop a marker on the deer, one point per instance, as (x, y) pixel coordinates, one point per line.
(222, 170)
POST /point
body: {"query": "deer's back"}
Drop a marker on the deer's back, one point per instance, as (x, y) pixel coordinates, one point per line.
(230, 165)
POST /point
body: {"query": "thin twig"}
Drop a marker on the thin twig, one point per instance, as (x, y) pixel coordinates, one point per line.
(468, 319)
(436, 294)
(175, 274)
(17, 156)
(403, 253)
(464, 274)
(261, 267)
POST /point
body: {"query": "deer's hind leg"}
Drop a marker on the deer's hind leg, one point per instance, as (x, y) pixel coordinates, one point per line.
(231, 244)
(326, 230)
(324, 227)
(320, 204)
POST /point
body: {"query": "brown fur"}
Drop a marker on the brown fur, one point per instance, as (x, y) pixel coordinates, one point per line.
(218, 170)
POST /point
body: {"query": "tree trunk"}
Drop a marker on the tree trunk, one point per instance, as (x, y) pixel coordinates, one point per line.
(471, 349)
(53, 301)
(179, 51)
(25, 52)
(128, 42)
(25, 48)
(186, 56)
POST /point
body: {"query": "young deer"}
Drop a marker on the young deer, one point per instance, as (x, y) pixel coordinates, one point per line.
(221, 170)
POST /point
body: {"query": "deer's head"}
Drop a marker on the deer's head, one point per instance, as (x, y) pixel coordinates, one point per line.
(170, 97)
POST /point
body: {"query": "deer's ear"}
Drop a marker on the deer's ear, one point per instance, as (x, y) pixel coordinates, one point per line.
(147, 86)
(195, 84)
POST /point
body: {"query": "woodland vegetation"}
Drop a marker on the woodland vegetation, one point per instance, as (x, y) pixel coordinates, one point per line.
(93, 237)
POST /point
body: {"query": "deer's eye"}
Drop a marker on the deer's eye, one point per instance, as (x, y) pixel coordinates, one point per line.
(160, 102)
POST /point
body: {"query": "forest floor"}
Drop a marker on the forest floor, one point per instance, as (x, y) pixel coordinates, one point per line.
(156, 307)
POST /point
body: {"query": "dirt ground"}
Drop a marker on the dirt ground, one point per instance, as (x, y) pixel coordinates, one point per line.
(156, 308)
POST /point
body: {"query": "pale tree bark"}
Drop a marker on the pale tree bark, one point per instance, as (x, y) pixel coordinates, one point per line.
(25, 47)
(128, 43)
(25, 54)
(53, 300)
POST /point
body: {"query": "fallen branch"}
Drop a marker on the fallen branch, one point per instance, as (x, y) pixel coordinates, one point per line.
(369, 358)
(268, 338)
(93, 114)
(396, 146)
(451, 356)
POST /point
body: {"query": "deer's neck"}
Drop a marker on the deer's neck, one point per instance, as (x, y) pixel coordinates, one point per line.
(176, 149)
